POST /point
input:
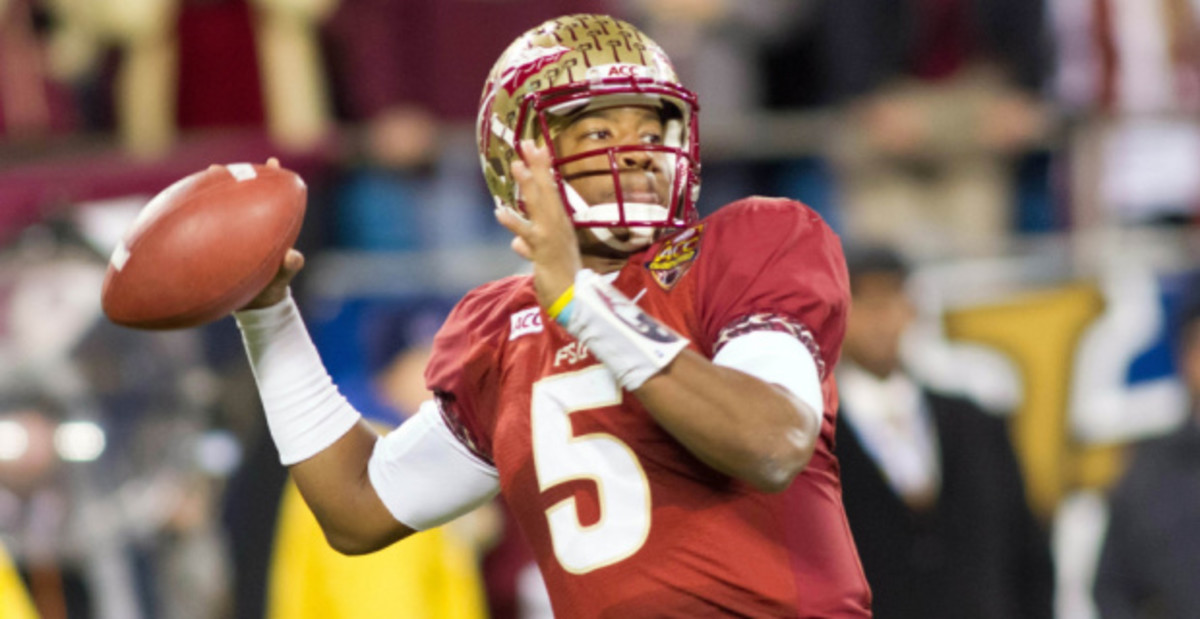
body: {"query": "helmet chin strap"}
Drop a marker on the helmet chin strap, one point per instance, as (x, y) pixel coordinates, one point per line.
(640, 236)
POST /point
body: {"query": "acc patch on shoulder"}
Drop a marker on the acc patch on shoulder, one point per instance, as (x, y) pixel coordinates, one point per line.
(676, 257)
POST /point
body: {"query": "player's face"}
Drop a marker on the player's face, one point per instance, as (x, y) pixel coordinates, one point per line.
(880, 312)
(642, 175)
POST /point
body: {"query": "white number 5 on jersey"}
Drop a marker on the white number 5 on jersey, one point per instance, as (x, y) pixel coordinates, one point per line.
(559, 457)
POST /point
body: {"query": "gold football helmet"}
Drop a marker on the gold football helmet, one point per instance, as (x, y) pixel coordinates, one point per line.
(579, 63)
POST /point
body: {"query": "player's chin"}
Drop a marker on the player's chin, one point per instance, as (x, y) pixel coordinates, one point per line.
(591, 245)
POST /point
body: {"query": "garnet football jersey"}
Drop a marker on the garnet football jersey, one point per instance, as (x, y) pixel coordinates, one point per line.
(624, 521)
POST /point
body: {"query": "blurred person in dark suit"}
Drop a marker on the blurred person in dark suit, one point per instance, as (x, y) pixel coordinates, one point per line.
(931, 485)
(1150, 562)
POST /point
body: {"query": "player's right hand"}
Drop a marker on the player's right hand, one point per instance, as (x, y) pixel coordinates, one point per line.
(277, 289)
(547, 237)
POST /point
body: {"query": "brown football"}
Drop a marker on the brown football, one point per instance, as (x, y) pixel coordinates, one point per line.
(204, 247)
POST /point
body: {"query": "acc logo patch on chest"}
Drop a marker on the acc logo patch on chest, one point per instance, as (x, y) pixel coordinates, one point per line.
(525, 322)
(676, 257)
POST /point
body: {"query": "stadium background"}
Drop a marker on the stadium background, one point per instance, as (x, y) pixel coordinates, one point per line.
(135, 477)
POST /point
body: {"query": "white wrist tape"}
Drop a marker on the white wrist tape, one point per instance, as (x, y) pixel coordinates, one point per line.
(633, 344)
(305, 411)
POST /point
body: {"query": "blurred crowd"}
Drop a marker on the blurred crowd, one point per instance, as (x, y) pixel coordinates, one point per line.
(1015, 182)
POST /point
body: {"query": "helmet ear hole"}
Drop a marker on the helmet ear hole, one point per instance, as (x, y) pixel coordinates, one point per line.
(673, 133)
(671, 110)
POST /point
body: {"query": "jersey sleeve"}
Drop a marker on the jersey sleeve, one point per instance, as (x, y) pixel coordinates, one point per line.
(773, 265)
(464, 361)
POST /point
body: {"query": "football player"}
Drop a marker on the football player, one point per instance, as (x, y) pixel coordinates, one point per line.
(655, 402)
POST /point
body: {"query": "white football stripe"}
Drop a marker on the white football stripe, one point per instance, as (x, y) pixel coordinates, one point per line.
(242, 171)
(120, 256)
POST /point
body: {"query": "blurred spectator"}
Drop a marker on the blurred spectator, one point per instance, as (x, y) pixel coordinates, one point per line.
(32, 480)
(295, 92)
(1150, 562)
(14, 600)
(409, 71)
(382, 199)
(181, 64)
(938, 96)
(143, 34)
(515, 587)
(250, 62)
(932, 488)
(715, 47)
(715, 44)
(437, 577)
(220, 73)
(431, 53)
(106, 503)
(250, 522)
(1129, 71)
(32, 105)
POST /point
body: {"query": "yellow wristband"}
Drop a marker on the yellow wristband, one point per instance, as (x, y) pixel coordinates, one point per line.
(559, 304)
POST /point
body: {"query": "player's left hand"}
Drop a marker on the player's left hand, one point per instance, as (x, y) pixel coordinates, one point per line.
(547, 239)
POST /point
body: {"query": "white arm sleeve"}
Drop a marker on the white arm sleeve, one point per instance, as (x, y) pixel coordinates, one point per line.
(305, 411)
(425, 476)
(780, 359)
